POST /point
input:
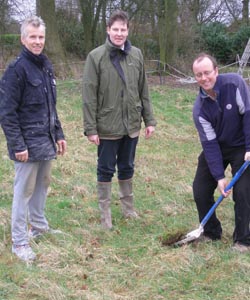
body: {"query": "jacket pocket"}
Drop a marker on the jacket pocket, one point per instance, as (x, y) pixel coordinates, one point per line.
(34, 92)
(135, 117)
(109, 121)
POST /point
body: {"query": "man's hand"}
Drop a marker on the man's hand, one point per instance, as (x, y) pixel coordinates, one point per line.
(149, 131)
(94, 139)
(22, 156)
(61, 147)
(222, 184)
(247, 156)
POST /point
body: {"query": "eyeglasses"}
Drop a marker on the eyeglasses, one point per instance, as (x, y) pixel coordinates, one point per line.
(206, 74)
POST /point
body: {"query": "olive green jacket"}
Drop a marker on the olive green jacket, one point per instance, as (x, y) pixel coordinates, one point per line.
(112, 107)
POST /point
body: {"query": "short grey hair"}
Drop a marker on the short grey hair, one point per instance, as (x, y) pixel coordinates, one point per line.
(34, 21)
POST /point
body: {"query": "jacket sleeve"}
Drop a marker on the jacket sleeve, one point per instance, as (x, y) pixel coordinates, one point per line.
(214, 158)
(243, 100)
(10, 100)
(147, 108)
(210, 145)
(90, 93)
(58, 127)
(59, 135)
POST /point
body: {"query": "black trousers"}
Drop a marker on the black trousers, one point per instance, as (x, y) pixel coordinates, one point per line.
(204, 186)
(112, 153)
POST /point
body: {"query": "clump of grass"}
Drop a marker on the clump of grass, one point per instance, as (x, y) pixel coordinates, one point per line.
(171, 237)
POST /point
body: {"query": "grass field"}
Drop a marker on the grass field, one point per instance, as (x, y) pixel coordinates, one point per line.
(129, 262)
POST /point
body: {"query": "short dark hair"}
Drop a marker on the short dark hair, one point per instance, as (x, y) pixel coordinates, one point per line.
(203, 55)
(118, 15)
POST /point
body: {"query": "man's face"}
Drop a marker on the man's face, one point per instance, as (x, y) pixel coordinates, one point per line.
(34, 41)
(205, 73)
(118, 33)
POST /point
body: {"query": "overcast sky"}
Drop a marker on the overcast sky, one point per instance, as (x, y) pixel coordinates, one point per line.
(22, 8)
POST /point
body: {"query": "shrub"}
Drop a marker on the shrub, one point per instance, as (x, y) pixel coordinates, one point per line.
(71, 34)
(10, 39)
(217, 42)
(240, 39)
(148, 45)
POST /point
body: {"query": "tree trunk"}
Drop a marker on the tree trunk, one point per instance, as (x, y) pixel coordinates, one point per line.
(168, 10)
(171, 29)
(245, 12)
(4, 15)
(104, 24)
(162, 30)
(54, 49)
(91, 11)
(87, 21)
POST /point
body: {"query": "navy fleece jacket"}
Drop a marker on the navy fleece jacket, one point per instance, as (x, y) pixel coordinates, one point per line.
(224, 122)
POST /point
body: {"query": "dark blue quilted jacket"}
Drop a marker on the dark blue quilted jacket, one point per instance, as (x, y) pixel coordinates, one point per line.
(28, 113)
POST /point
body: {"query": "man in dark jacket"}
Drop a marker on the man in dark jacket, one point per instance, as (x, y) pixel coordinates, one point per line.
(116, 100)
(33, 132)
(222, 117)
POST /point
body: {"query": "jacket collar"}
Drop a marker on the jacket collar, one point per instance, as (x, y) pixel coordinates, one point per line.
(115, 50)
(216, 89)
(39, 60)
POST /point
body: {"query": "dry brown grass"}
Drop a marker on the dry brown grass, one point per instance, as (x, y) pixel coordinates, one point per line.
(85, 263)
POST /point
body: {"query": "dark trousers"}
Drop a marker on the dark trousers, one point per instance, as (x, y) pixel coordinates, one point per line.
(119, 152)
(204, 186)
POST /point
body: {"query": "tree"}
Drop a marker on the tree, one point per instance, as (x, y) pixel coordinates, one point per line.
(95, 13)
(245, 12)
(167, 12)
(71, 33)
(240, 39)
(4, 15)
(217, 42)
(91, 11)
(46, 9)
(171, 29)
(234, 8)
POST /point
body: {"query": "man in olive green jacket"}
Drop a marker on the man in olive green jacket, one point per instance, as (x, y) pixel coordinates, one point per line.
(115, 101)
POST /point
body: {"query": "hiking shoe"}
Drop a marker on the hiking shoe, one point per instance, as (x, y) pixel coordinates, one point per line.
(240, 248)
(34, 233)
(131, 215)
(24, 252)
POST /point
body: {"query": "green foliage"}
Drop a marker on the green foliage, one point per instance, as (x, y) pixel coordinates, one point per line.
(240, 39)
(10, 39)
(148, 45)
(71, 34)
(223, 44)
(216, 41)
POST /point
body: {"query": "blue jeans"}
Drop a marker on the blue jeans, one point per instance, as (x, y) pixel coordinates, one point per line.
(30, 191)
(119, 152)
